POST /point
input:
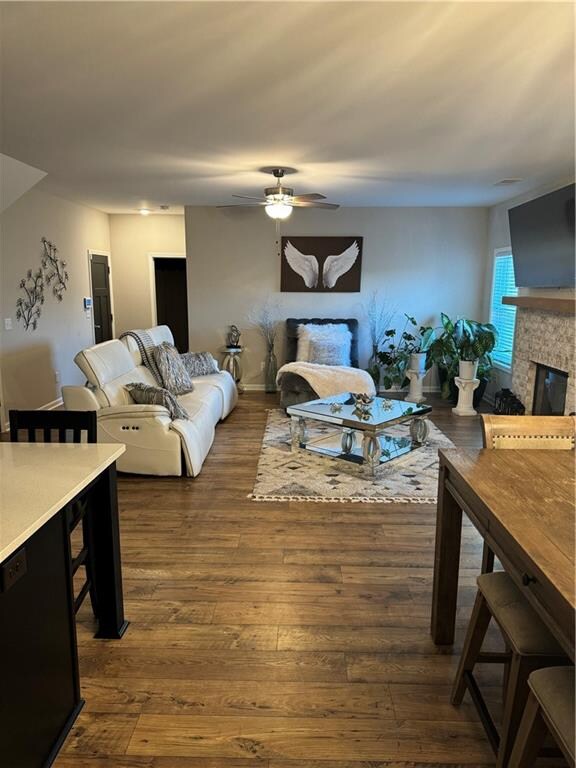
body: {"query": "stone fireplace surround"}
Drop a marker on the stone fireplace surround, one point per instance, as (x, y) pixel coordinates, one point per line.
(547, 338)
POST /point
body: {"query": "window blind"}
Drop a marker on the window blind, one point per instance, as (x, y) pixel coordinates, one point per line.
(503, 316)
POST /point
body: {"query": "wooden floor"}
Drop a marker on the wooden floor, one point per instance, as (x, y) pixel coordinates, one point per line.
(285, 635)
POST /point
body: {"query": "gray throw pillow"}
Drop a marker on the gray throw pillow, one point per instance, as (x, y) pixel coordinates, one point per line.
(330, 352)
(175, 377)
(199, 363)
(145, 394)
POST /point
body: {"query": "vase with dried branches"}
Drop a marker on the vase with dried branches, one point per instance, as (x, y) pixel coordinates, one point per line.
(265, 320)
(379, 315)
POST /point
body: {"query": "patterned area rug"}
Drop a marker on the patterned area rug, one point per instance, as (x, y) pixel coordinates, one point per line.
(304, 476)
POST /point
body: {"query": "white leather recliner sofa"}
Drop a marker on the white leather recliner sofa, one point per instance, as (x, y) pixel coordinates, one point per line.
(155, 444)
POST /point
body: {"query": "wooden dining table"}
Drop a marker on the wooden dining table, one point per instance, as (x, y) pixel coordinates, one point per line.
(522, 502)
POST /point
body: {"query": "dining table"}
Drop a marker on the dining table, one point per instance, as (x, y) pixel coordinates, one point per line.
(522, 502)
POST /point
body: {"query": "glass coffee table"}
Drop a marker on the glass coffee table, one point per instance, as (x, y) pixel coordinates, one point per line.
(360, 435)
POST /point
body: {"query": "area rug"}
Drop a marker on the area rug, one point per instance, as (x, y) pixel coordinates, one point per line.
(286, 476)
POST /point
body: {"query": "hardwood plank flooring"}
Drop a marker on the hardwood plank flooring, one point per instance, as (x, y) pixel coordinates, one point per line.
(285, 635)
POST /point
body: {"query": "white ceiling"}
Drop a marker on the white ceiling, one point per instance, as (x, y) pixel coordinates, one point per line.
(127, 104)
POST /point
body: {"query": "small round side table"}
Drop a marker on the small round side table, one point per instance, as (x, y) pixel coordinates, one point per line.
(233, 365)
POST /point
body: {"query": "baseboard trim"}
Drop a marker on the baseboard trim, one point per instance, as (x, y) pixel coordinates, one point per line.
(253, 387)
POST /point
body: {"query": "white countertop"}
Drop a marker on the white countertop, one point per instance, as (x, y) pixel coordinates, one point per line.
(38, 479)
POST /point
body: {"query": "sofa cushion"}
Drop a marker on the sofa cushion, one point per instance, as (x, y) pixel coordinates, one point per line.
(108, 367)
(204, 396)
(149, 395)
(175, 377)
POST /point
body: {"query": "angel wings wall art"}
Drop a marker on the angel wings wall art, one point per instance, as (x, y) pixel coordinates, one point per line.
(321, 264)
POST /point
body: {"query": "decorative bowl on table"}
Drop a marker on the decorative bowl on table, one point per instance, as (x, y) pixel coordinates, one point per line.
(362, 404)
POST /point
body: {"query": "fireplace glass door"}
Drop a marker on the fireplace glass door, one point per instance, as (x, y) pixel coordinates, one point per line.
(549, 391)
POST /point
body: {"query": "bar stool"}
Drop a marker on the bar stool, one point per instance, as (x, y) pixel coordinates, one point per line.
(57, 426)
(529, 646)
(550, 708)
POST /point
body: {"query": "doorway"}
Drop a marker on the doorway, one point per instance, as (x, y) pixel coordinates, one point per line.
(170, 301)
(101, 299)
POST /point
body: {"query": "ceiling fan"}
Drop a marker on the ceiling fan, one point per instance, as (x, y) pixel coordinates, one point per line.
(278, 201)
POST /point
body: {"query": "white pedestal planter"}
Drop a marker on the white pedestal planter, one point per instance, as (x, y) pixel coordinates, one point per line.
(415, 393)
(467, 369)
(418, 362)
(466, 389)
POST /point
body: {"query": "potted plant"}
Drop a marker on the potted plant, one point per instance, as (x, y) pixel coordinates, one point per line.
(474, 341)
(421, 345)
(404, 351)
(462, 341)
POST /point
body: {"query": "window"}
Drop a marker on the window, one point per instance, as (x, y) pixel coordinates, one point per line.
(503, 316)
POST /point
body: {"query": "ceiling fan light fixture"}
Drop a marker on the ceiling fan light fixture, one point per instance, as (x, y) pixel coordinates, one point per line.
(278, 210)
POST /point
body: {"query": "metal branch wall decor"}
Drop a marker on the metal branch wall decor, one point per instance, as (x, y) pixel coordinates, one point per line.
(55, 269)
(52, 272)
(28, 307)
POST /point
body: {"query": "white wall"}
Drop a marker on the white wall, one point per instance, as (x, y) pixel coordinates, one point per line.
(30, 359)
(424, 260)
(133, 237)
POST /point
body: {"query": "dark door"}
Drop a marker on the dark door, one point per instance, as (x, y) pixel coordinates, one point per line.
(101, 298)
(172, 299)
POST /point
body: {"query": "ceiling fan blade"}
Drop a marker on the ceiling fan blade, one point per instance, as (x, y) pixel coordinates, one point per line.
(248, 197)
(241, 205)
(311, 204)
(309, 196)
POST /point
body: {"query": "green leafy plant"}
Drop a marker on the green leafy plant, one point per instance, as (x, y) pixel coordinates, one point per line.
(394, 357)
(474, 340)
(461, 340)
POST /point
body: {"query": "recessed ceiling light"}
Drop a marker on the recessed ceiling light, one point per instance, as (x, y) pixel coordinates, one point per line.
(144, 211)
(505, 182)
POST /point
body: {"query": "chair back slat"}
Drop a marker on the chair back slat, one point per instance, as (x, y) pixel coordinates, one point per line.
(525, 432)
(49, 422)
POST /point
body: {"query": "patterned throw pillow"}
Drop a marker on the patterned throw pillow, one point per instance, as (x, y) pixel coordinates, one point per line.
(146, 394)
(326, 352)
(199, 363)
(175, 377)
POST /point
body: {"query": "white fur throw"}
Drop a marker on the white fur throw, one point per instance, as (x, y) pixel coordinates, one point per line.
(328, 380)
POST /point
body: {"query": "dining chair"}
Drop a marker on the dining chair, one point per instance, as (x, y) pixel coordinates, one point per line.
(544, 433)
(549, 709)
(58, 427)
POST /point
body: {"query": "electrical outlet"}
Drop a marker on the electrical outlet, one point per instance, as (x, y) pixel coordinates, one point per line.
(7, 323)
(12, 570)
(262, 365)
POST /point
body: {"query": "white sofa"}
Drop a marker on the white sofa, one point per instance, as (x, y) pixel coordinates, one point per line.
(155, 444)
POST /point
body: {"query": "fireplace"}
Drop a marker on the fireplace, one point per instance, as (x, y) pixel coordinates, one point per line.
(550, 387)
(545, 339)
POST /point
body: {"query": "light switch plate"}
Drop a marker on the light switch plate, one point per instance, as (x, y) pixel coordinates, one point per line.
(7, 323)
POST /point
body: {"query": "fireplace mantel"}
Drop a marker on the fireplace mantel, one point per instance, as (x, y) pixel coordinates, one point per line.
(542, 303)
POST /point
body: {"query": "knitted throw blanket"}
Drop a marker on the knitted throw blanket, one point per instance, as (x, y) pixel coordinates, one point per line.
(329, 380)
(146, 348)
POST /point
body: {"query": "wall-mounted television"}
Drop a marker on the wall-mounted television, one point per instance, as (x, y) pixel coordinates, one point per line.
(542, 239)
